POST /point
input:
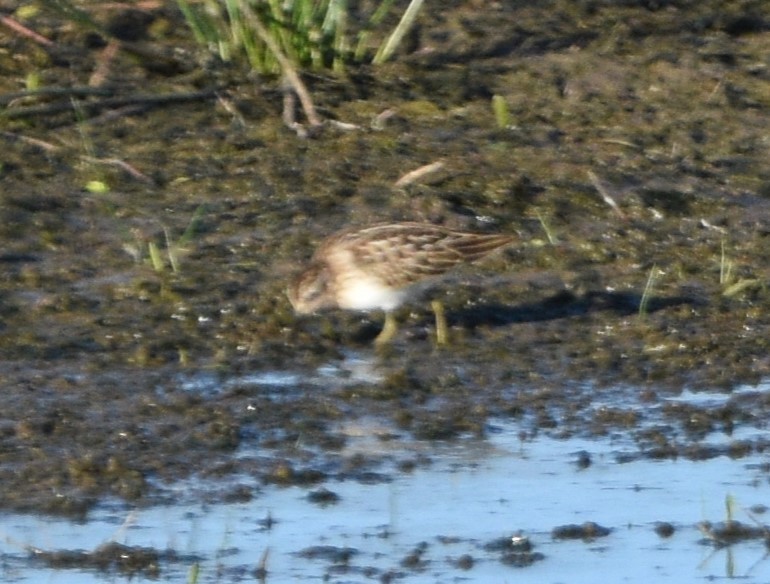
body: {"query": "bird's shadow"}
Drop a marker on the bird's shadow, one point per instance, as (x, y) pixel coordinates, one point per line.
(563, 304)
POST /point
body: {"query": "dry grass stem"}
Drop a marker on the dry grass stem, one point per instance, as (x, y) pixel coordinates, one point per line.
(291, 77)
(22, 30)
(605, 195)
(419, 173)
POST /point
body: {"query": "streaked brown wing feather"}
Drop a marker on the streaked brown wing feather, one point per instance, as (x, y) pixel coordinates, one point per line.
(404, 253)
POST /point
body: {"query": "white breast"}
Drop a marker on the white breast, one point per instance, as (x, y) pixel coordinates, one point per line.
(368, 294)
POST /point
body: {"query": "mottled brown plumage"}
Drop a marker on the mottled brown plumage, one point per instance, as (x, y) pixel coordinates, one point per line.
(379, 267)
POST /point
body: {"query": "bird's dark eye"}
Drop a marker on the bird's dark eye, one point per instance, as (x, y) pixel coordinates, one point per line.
(314, 290)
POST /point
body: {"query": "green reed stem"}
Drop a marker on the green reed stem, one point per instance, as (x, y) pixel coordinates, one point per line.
(406, 23)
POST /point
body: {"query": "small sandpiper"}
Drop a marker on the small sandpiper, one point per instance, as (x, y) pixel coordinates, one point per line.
(383, 266)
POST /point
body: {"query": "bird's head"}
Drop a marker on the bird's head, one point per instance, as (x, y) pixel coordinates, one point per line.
(311, 290)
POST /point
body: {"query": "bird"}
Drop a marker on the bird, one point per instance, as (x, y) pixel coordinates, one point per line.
(384, 265)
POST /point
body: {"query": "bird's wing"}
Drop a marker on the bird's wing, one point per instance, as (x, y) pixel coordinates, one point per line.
(402, 254)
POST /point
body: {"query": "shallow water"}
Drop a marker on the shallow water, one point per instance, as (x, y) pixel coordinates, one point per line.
(472, 493)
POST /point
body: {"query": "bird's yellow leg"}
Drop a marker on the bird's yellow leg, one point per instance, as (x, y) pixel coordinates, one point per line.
(442, 334)
(388, 331)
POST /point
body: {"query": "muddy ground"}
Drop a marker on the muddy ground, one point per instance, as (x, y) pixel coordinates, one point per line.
(144, 243)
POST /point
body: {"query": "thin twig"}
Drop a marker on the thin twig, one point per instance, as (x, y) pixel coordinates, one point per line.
(379, 121)
(419, 173)
(89, 106)
(344, 126)
(620, 142)
(55, 92)
(122, 164)
(231, 109)
(19, 28)
(648, 290)
(289, 114)
(46, 146)
(289, 72)
(552, 239)
(104, 64)
(605, 195)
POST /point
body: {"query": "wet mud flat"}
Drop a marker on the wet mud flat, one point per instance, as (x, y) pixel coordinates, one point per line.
(476, 509)
(144, 331)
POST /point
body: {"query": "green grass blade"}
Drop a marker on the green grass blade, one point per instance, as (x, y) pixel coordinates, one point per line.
(155, 258)
(192, 226)
(500, 109)
(194, 21)
(407, 20)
